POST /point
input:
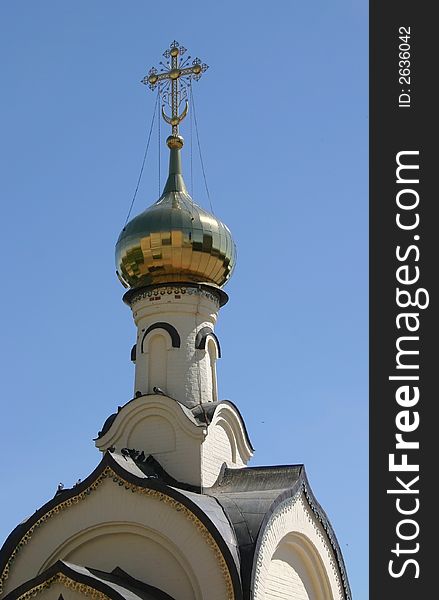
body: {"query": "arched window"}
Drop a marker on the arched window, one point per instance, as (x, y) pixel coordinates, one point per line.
(157, 362)
(212, 353)
(173, 334)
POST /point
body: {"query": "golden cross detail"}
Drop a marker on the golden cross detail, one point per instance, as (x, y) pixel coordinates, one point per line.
(176, 75)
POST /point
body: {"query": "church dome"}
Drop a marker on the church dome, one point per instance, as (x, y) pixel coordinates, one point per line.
(175, 240)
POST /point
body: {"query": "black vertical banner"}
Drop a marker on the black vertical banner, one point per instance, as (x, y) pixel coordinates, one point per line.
(404, 251)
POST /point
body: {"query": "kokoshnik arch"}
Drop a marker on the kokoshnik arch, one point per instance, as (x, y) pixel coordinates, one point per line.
(172, 511)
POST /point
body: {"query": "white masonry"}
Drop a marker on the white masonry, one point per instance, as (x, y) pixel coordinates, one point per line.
(171, 321)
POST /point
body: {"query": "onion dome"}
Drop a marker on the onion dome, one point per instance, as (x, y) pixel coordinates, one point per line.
(175, 240)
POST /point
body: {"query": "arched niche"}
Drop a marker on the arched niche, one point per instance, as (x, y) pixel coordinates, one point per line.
(150, 557)
(157, 351)
(295, 572)
(294, 558)
(174, 336)
(212, 353)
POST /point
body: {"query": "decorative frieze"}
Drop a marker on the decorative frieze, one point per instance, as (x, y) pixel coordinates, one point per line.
(156, 293)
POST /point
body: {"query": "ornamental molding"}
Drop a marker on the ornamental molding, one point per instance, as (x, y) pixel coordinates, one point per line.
(324, 522)
(156, 292)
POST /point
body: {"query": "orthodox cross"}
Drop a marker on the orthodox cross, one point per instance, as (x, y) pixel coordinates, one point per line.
(175, 76)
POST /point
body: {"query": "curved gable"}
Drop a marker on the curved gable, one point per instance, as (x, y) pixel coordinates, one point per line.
(226, 442)
(118, 502)
(162, 427)
(119, 428)
(296, 546)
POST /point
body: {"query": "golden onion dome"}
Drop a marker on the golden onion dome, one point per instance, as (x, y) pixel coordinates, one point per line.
(175, 240)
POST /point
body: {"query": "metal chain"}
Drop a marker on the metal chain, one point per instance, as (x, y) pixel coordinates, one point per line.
(192, 169)
(159, 143)
(199, 150)
(143, 163)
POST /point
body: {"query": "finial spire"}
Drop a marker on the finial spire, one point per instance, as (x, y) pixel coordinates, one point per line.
(173, 80)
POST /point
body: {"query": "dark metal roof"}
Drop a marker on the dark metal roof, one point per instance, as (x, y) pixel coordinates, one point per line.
(235, 509)
(117, 585)
(120, 577)
(249, 496)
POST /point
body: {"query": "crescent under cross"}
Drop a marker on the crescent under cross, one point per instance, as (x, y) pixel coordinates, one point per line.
(178, 74)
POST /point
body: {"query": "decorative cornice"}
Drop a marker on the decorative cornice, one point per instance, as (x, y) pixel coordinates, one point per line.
(214, 294)
(109, 473)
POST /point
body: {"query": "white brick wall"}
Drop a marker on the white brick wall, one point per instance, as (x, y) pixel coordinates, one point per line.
(188, 374)
(217, 449)
(284, 583)
(225, 443)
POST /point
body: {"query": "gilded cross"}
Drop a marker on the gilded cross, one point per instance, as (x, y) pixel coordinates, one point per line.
(176, 76)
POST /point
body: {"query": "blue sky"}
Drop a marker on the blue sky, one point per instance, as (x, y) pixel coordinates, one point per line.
(282, 116)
